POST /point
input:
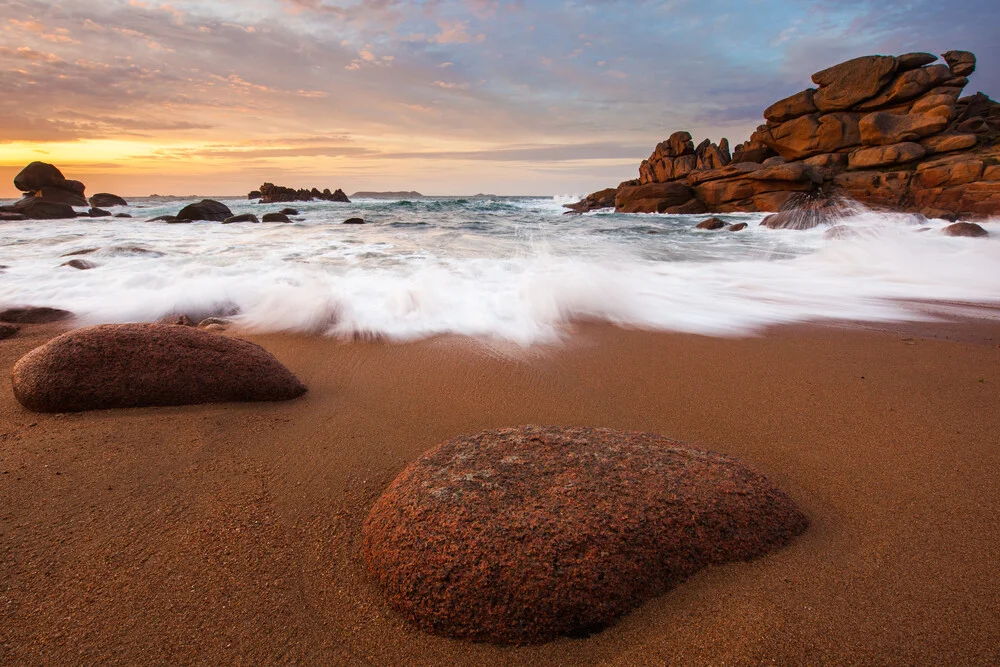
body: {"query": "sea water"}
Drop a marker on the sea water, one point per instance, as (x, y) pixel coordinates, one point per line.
(510, 268)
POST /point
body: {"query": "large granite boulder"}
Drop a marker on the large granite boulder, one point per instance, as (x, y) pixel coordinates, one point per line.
(38, 175)
(791, 107)
(525, 534)
(843, 86)
(654, 198)
(53, 195)
(133, 365)
(206, 209)
(962, 63)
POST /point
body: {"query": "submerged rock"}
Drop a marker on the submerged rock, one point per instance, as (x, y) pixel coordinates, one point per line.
(81, 264)
(243, 217)
(133, 365)
(354, 221)
(524, 534)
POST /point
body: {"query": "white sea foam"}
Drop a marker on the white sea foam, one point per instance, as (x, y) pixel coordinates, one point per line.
(512, 269)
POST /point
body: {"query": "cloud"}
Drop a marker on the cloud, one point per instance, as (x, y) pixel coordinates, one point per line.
(549, 76)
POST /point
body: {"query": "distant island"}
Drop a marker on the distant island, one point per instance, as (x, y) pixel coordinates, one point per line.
(413, 194)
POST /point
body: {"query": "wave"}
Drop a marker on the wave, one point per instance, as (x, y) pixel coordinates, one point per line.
(515, 270)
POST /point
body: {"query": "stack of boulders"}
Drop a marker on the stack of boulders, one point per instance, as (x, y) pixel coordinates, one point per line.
(270, 193)
(890, 132)
(48, 195)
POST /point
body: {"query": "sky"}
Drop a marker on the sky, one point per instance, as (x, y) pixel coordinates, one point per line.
(441, 96)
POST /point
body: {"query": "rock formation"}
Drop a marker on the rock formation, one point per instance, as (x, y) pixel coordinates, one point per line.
(271, 193)
(524, 534)
(48, 195)
(890, 132)
(133, 365)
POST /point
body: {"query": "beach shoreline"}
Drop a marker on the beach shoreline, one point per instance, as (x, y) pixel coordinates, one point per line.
(230, 533)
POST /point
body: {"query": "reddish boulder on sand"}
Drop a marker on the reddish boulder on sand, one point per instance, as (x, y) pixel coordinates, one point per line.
(133, 365)
(524, 534)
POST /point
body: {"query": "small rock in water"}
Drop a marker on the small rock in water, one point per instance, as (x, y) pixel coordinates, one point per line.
(98, 213)
(166, 218)
(34, 315)
(275, 217)
(969, 229)
(840, 232)
(289, 211)
(738, 227)
(122, 215)
(102, 199)
(711, 223)
(85, 251)
(244, 217)
(8, 330)
(354, 221)
(81, 264)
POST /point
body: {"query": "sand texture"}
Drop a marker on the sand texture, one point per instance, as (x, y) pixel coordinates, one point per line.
(231, 533)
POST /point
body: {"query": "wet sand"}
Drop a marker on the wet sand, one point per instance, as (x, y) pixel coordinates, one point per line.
(230, 534)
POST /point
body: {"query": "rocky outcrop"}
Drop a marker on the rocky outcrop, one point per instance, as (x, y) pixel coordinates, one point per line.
(890, 132)
(133, 365)
(48, 195)
(271, 194)
(524, 534)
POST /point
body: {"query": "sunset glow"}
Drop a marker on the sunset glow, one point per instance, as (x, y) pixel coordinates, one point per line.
(444, 97)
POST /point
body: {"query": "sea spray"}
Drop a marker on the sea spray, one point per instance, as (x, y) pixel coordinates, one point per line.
(508, 268)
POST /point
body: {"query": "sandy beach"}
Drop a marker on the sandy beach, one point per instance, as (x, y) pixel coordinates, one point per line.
(230, 534)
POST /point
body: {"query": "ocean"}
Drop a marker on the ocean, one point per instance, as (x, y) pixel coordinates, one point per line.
(510, 268)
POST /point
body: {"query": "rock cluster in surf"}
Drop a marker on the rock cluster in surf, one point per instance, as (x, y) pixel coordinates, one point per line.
(524, 534)
(134, 365)
(269, 193)
(48, 195)
(890, 132)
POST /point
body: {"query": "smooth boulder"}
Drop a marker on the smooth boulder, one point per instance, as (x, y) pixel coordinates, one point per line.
(134, 365)
(969, 229)
(206, 209)
(524, 534)
(38, 175)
